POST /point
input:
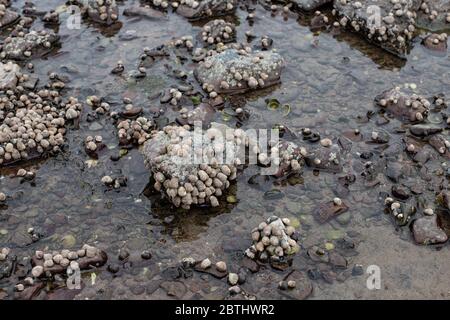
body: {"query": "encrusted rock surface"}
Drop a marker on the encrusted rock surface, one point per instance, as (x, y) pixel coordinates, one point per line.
(195, 10)
(194, 168)
(233, 71)
(389, 24)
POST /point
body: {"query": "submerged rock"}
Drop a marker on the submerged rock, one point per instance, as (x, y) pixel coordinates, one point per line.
(388, 24)
(299, 285)
(236, 71)
(327, 159)
(426, 231)
(199, 9)
(329, 210)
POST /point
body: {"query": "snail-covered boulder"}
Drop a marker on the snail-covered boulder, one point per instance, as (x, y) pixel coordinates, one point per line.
(198, 9)
(34, 125)
(102, 11)
(388, 24)
(195, 167)
(9, 75)
(218, 31)
(57, 262)
(403, 105)
(23, 46)
(236, 71)
(434, 15)
(274, 239)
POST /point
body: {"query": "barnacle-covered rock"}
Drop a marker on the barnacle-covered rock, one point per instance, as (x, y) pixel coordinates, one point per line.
(274, 240)
(388, 24)
(23, 46)
(134, 131)
(236, 71)
(198, 9)
(404, 106)
(195, 167)
(218, 31)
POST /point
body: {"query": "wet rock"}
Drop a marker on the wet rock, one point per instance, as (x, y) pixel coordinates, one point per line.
(434, 14)
(357, 270)
(337, 261)
(7, 17)
(426, 231)
(394, 171)
(145, 11)
(403, 105)
(9, 75)
(385, 23)
(250, 264)
(308, 5)
(329, 210)
(219, 274)
(436, 42)
(233, 71)
(195, 10)
(400, 192)
(318, 254)
(441, 145)
(444, 199)
(30, 292)
(424, 130)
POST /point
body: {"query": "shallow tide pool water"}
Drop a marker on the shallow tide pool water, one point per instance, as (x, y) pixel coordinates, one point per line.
(329, 82)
